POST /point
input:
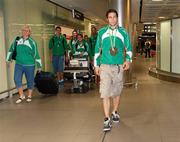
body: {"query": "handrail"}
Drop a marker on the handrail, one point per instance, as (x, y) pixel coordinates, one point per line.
(8, 90)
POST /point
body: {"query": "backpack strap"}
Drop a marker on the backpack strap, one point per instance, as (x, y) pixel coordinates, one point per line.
(15, 51)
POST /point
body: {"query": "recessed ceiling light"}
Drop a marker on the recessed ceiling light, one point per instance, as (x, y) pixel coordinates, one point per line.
(161, 17)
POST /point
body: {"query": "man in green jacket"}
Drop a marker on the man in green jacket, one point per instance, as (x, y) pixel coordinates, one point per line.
(93, 39)
(26, 57)
(109, 62)
(58, 45)
(72, 43)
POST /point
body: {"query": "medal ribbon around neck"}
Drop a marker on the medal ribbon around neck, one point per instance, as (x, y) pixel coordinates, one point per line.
(113, 49)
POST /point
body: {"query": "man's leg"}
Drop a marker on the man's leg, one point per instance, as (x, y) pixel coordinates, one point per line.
(105, 89)
(61, 68)
(106, 107)
(107, 119)
(116, 91)
(116, 102)
(55, 66)
(61, 75)
(58, 76)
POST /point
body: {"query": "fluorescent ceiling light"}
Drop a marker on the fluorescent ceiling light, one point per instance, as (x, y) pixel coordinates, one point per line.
(148, 23)
(175, 16)
(157, 0)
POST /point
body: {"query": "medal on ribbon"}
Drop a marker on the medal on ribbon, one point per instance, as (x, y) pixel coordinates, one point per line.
(113, 50)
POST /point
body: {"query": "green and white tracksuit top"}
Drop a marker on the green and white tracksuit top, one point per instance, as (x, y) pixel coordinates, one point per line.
(72, 42)
(58, 44)
(81, 47)
(121, 41)
(27, 52)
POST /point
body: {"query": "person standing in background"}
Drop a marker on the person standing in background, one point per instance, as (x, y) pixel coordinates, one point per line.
(92, 40)
(147, 48)
(72, 42)
(26, 57)
(111, 43)
(57, 46)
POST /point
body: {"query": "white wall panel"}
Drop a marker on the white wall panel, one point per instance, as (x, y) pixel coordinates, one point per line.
(3, 69)
(165, 31)
(176, 46)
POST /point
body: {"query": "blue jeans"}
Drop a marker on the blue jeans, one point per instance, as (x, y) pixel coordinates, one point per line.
(29, 74)
(58, 63)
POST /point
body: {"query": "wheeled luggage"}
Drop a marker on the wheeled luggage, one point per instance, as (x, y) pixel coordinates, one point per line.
(46, 83)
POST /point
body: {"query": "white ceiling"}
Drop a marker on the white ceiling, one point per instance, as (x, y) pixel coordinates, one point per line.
(152, 10)
(95, 9)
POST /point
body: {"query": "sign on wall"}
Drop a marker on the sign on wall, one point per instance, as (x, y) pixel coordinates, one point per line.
(77, 15)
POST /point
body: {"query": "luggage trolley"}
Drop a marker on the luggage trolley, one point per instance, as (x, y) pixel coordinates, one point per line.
(78, 71)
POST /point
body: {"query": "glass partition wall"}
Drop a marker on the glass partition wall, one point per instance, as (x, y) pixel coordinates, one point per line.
(168, 48)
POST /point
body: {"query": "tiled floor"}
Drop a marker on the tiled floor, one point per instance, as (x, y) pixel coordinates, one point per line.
(149, 113)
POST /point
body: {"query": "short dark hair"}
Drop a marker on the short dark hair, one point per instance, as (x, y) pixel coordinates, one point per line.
(80, 35)
(93, 27)
(111, 11)
(58, 27)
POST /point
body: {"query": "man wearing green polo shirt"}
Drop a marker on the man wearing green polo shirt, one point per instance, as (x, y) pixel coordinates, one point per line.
(109, 62)
(58, 45)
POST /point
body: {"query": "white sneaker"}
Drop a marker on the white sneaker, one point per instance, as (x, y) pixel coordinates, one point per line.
(115, 117)
(20, 99)
(107, 125)
(28, 99)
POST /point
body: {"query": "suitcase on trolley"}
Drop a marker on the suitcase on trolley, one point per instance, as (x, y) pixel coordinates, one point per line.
(46, 83)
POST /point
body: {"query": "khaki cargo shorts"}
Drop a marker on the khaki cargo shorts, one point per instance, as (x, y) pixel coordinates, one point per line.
(111, 80)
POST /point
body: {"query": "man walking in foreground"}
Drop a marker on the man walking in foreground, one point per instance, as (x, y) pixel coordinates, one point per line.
(109, 62)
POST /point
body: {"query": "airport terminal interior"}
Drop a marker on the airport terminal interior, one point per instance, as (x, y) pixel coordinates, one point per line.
(150, 100)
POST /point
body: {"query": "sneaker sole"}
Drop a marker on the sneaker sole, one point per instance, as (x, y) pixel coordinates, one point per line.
(19, 102)
(115, 121)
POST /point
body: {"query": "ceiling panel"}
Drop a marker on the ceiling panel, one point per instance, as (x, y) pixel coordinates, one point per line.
(92, 9)
(152, 10)
(96, 9)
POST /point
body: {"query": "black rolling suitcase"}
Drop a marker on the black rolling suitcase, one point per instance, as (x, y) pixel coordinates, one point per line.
(46, 83)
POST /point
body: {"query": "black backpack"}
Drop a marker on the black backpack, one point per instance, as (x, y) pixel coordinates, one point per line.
(14, 54)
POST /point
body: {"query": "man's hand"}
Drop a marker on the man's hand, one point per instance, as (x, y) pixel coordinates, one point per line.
(51, 58)
(97, 71)
(126, 65)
